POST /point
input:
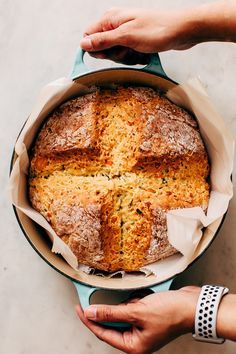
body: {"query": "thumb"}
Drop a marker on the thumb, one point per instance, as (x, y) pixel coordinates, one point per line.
(126, 313)
(103, 40)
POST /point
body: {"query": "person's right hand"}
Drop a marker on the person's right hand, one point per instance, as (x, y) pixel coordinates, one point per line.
(124, 34)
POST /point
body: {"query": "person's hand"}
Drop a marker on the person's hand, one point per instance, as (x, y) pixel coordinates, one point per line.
(124, 34)
(130, 32)
(156, 320)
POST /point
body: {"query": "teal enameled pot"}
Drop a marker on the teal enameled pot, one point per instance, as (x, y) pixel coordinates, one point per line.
(151, 75)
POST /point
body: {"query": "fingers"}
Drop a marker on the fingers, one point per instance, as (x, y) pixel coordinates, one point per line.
(112, 19)
(105, 24)
(104, 40)
(109, 31)
(123, 55)
(108, 22)
(129, 56)
(123, 313)
(110, 336)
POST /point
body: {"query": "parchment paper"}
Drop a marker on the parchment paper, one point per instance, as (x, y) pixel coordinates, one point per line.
(184, 225)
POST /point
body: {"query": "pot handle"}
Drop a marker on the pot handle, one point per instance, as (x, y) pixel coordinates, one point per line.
(79, 66)
(155, 66)
(85, 292)
(162, 287)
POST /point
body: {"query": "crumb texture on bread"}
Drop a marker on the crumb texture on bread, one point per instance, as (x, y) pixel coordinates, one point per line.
(107, 166)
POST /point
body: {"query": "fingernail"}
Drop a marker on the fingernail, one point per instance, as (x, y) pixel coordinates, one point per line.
(86, 43)
(91, 312)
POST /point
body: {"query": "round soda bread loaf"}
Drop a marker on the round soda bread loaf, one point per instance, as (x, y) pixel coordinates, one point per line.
(107, 166)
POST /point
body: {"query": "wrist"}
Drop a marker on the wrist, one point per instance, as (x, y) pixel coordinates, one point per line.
(186, 304)
(209, 22)
(188, 301)
(193, 26)
(190, 27)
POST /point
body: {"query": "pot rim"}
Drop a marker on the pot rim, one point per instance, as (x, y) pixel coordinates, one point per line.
(162, 76)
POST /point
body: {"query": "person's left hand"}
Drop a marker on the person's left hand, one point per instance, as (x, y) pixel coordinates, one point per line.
(129, 35)
(156, 320)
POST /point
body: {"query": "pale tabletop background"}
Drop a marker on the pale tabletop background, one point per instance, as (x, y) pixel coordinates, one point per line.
(38, 40)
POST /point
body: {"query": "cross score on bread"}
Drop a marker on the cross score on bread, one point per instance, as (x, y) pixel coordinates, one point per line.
(107, 166)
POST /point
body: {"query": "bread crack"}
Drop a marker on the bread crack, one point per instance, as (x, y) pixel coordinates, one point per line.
(116, 151)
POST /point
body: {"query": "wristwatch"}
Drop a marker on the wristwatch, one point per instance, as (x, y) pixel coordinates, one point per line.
(206, 313)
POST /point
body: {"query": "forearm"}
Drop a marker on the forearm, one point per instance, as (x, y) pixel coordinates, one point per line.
(211, 22)
(226, 316)
(226, 319)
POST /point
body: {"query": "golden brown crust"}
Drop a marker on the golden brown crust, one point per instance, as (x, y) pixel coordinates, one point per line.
(159, 245)
(82, 226)
(70, 133)
(71, 127)
(105, 169)
(170, 135)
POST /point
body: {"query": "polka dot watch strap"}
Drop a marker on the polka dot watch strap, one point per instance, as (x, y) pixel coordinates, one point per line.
(206, 313)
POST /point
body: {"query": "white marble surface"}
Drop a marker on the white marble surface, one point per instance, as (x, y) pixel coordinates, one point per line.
(37, 43)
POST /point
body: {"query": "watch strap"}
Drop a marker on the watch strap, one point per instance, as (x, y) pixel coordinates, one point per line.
(206, 313)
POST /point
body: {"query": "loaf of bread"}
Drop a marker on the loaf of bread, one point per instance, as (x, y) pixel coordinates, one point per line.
(107, 166)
